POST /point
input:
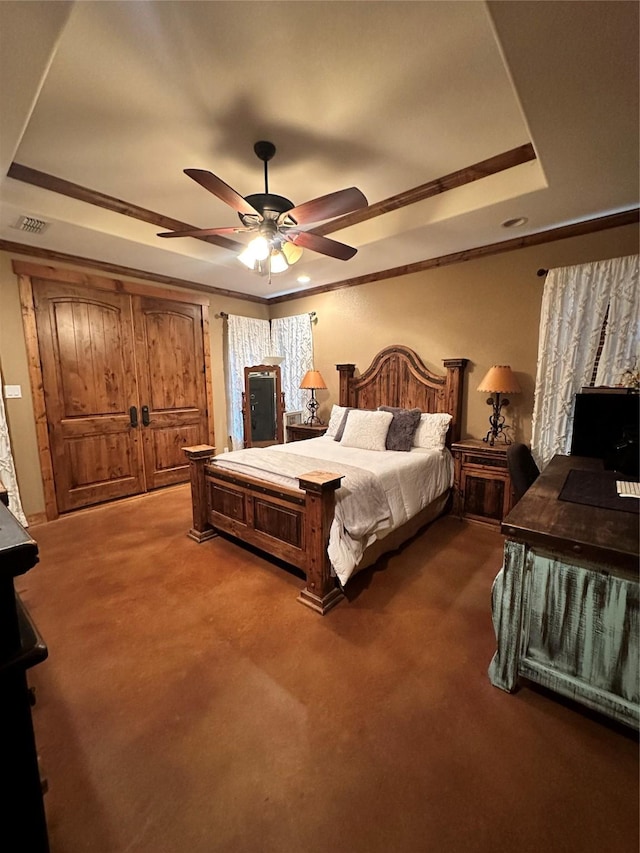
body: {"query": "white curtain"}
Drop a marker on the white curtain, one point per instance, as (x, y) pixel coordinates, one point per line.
(7, 469)
(621, 344)
(249, 341)
(291, 338)
(574, 305)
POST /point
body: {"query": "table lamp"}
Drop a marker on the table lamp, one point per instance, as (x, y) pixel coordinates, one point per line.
(311, 381)
(499, 380)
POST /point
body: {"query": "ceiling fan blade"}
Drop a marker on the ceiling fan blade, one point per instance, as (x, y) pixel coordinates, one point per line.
(204, 232)
(323, 245)
(327, 206)
(223, 191)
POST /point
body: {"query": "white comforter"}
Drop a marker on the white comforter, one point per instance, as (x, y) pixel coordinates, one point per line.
(397, 487)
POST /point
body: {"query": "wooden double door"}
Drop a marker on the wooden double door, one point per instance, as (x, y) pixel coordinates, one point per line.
(124, 384)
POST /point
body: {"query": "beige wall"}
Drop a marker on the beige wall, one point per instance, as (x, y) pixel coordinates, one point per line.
(485, 310)
(14, 371)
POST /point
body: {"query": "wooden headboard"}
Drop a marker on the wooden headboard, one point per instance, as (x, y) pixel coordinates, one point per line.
(398, 377)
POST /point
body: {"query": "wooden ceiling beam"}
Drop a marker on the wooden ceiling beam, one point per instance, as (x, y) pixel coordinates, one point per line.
(491, 166)
(107, 202)
(129, 272)
(589, 226)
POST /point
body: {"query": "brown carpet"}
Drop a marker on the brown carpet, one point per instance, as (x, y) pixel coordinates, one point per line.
(189, 704)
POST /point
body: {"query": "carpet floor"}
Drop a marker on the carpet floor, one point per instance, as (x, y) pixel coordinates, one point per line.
(190, 704)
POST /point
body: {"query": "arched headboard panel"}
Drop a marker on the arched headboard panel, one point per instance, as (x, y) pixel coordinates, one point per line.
(397, 376)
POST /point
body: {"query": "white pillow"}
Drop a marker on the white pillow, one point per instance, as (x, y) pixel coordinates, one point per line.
(337, 413)
(432, 431)
(366, 430)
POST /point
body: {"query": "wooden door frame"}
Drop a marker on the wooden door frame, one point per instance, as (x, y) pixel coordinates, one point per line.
(26, 272)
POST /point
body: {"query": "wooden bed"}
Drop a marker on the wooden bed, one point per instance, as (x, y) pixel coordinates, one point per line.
(293, 525)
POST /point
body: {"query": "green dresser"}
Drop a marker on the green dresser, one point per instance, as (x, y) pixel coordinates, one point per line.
(565, 603)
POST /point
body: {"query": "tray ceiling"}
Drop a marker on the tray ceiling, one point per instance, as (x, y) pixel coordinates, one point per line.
(118, 98)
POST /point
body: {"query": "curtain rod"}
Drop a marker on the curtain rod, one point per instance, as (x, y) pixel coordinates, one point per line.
(224, 316)
(542, 272)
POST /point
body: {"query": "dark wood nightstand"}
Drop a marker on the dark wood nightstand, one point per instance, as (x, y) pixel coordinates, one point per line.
(482, 485)
(298, 432)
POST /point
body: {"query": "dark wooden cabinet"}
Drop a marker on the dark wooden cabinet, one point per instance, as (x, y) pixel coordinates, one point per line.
(299, 432)
(23, 823)
(482, 485)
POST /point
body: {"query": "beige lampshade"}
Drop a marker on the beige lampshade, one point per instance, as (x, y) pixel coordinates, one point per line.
(312, 379)
(500, 379)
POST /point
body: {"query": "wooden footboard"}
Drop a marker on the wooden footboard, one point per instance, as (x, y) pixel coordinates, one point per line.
(290, 525)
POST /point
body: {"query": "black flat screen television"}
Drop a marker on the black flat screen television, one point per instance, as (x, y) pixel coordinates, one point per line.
(605, 426)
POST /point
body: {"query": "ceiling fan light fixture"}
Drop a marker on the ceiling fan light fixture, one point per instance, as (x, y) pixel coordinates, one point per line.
(292, 253)
(278, 262)
(247, 258)
(259, 248)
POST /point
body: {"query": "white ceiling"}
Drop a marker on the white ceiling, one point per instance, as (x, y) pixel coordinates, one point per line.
(120, 97)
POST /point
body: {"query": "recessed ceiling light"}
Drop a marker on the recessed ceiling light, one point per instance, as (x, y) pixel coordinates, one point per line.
(515, 223)
(303, 279)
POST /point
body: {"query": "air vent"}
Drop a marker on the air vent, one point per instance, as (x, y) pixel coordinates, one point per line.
(31, 224)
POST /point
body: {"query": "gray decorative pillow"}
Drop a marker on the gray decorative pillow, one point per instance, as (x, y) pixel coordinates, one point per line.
(343, 423)
(402, 428)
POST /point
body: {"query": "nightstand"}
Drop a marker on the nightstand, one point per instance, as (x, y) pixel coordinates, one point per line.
(298, 432)
(482, 485)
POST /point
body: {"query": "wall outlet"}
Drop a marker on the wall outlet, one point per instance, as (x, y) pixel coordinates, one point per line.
(12, 391)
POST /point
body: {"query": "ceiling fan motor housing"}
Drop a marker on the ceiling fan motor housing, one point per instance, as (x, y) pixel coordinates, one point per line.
(269, 205)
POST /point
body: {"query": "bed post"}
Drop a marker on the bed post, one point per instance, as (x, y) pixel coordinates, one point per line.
(453, 394)
(198, 456)
(346, 374)
(321, 592)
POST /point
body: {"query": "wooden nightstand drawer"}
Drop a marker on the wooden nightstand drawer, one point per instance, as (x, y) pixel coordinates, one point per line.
(487, 461)
(482, 485)
(300, 432)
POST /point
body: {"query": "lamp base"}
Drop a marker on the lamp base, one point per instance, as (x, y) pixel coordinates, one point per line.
(497, 429)
(493, 435)
(312, 406)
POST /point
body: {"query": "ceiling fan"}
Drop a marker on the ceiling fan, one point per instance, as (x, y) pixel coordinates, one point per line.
(275, 220)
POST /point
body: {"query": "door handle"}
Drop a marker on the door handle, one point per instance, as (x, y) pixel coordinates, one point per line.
(145, 416)
(133, 416)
